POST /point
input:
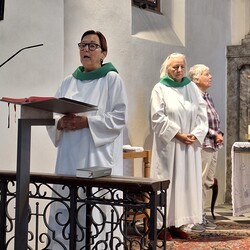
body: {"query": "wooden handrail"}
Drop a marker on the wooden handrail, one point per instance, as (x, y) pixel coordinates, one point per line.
(120, 182)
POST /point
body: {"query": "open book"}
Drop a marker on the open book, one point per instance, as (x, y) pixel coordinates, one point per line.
(61, 105)
(28, 99)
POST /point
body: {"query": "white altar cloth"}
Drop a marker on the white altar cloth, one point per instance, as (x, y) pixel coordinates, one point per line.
(240, 178)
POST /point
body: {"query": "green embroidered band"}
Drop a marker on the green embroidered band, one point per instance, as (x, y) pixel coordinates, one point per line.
(81, 75)
(166, 80)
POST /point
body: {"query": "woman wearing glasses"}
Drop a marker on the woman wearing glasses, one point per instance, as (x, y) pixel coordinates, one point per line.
(93, 138)
(179, 123)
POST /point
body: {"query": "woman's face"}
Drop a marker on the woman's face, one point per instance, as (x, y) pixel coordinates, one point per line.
(176, 69)
(91, 60)
(205, 80)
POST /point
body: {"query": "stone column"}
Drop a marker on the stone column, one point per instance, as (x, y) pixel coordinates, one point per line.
(238, 100)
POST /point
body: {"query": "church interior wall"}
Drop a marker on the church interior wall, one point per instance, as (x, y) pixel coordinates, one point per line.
(137, 52)
(36, 71)
(206, 43)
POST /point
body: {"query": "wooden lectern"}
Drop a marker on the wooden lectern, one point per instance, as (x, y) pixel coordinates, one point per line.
(35, 113)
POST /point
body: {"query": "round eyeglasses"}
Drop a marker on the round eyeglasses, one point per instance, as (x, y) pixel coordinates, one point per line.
(91, 46)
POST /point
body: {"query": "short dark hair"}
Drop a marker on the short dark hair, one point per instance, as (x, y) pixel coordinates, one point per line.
(103, 41)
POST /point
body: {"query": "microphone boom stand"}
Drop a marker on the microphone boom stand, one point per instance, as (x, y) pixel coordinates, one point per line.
(28, 47)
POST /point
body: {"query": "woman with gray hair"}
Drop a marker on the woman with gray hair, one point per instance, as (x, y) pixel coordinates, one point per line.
(179, 124)
(201, 75)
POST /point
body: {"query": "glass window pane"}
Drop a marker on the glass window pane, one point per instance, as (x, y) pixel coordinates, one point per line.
(1, 9)
(153, 5)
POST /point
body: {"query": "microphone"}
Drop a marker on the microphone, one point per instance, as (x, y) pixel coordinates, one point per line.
(28, 47)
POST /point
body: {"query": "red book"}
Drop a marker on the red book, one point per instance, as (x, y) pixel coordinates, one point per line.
(28, 99)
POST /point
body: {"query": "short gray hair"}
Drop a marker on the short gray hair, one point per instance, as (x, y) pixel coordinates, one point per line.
(197, 70)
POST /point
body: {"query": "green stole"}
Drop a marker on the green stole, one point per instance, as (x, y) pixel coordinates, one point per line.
(166, 80)
(82, 75)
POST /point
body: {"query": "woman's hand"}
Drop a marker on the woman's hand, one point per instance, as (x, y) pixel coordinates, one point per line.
(72, 122)
(185, 138)
(218, 138)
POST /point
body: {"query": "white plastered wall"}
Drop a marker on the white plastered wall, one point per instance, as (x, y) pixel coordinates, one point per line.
(37, 71)
(202, 30)
(240, 22)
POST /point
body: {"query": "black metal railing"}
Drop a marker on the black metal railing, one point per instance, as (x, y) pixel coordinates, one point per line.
(67, 212)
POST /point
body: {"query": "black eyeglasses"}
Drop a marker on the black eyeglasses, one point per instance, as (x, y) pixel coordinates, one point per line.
(91, 46)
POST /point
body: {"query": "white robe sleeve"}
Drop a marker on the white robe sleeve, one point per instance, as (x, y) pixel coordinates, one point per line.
(106, 127)
(54, 133)
(163, 127)
(201, 125)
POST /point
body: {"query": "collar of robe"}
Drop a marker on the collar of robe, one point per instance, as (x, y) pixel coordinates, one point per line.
(166, 80)
(82, 75)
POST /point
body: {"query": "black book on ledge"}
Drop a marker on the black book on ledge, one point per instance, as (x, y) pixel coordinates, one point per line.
(93, 172)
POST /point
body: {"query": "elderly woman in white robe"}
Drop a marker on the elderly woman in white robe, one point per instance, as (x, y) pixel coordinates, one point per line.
(179, 123)
(93, 138)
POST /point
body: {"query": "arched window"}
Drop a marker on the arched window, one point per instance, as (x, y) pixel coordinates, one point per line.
(153, 5)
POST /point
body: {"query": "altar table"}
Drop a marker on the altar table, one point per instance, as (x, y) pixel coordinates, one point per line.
(240, 178)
